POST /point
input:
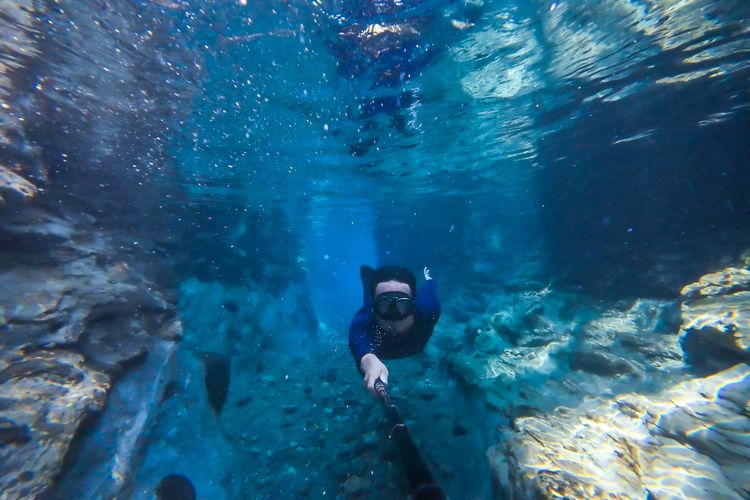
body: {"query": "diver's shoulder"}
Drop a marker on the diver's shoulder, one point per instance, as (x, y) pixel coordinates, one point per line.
(429, 286)
(364, 314)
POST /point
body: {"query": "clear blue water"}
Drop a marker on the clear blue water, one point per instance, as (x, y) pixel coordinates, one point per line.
(509, 123)
(598, 147)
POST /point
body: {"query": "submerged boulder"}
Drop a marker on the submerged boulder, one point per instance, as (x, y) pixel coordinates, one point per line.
(599, 363)
(66, 331)
(11, 182)
(355, 486)
(76, 314)
(695, 434)
(715, 331)
(46, 395)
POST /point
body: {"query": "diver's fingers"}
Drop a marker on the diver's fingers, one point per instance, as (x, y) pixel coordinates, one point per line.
(370, 384)
(384, 374)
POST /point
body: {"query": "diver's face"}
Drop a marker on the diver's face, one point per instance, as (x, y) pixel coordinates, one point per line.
(399, 326)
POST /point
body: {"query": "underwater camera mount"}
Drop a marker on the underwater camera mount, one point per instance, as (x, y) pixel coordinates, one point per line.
(421, 480)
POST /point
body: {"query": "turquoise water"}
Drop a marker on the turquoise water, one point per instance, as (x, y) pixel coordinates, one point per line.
(554, 163)
(507, 119)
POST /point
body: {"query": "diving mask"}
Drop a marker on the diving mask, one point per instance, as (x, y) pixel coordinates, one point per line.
(393, 306)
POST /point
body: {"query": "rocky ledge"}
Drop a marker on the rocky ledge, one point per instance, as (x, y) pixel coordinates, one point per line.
(716, 319)
(547, 348)
(689, 441)
(650, 401)
(74, 314)
(87, 317)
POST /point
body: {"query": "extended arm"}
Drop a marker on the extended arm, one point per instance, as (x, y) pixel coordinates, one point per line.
(362, 348)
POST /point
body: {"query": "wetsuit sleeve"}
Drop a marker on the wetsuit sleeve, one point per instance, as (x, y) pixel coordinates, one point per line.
(427, 303)
(360, 334)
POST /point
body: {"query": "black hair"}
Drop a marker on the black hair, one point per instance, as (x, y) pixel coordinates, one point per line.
(396, 273)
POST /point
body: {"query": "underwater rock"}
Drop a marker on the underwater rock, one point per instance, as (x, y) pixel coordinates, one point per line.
(102, 460)
(525, 320)
(21, 170)
(523, 339)
(644, 316)
(176, 487)
(492, 358)
(644, 334)
(632, 346)
(46, 396)
(599, 363)
(459, 430)
(83, 296)
(715, 331)
(170, 390)
(355, 486)
(244, 401)
(14, 183)
(330, 375)
(427, 394)
(726, 281)
(523, 285)
(112, 304)
(501, 322)
(73, 315)
(217, 375)
(694, 433)
(11, 432)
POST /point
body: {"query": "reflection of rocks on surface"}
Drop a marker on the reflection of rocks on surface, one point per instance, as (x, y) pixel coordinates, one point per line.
(689, 441)
(581, 44)
(21, 170)
(716, 319)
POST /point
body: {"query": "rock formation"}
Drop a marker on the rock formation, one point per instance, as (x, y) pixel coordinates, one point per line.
(546, 348)
(716, 319)
(675, 437)
(689, 441)
(72, 316)
(87, 315)
(92, 231)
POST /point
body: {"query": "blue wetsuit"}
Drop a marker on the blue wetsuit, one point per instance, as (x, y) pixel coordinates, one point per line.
(365, 336)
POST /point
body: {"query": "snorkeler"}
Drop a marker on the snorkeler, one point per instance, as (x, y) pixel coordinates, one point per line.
(394, 321)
